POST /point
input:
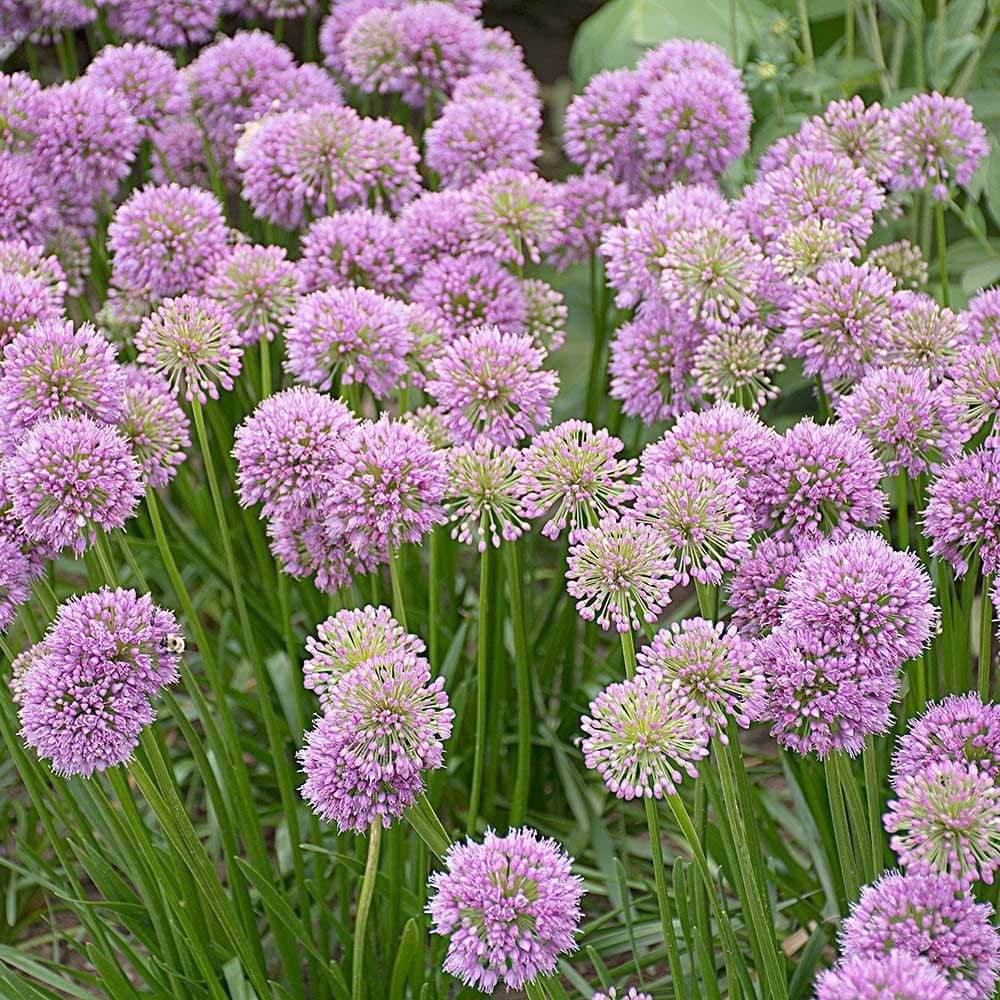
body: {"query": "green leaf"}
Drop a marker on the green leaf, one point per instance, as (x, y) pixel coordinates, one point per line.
(986, 273)
(619, 33)
(405, 957)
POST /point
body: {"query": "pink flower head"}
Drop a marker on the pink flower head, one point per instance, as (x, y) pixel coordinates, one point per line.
(591, 204)
(759, 586)
(154, 424)
(483, 497)
(905, 976)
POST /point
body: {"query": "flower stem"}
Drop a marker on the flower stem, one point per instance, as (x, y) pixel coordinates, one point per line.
(364, 909)
(519, 801)
(482, 644)
(841, 832)
(873, 795)
(398, 604)
(985, 637)
(902, 510)
(942, 251)
(265, 367)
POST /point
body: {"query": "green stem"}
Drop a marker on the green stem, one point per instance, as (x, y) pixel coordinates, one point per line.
(265, 367)
(902, 510)
(942, 251)
(434, 599)
(398, 604)
(365, 898)
(874, 798)
(841, 832)
(522, 783)
(482, 646)
(985, 637)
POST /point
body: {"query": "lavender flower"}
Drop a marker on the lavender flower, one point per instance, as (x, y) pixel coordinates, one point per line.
(934, 143)
(590, 204)
(15, 580)
(70, 476)
(384, 727)
(945, 819)
(388, 486)
(193, 343)
(178, 23)
(929, 917)
(389, 160)
(86, 697)
(859, 593)
(924, 335)
(759, 586)
(713, 667)
(974, 384)
(24, 302)
(20, 259)
(571, 472)
(913, 424)
(962, 514)
(55, 370)
(801, 249)
(960, 729)
(437, 224)
(27, 208)
(166, 241)
(983, 316)
(824, 480)
(631, 994)
(619, 574)
(347, 640)
(857, 132)
(904, 975)
(509, 906)
(483, 494)
(489, 383)
(699, 511)
(470, 291)
(643, 736)
(677, 55)
(904, 261)
(824, 698)
(545, 314)
(18, 111)
(286, 449)
(737, 365)
(154, 424)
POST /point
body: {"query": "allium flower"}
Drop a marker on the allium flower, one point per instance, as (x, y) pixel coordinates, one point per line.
(931, 917)
(824, 480)
(699, 511)
(962, 515)
(474, 136)
(572, 474)
(489, 384)
(898, 974)
(19, 259)
(652, 364)
(945, 819)
(974, 384)
(70, 476)
(599, 130)
(841, 321)
(53, 370)
(643, 736)
(860, 593)
(924, 335)
(166, 241)
(509, 906)
(483, 501)
(713, 667)
(934, 142)
(15, 579)
(258, 286)
(470, 291)
(18, 110)
(546, 314)
(502, 85)
(85, 699)
(169, 25)
(360, 247)
(350, 638)
(513, 215)
(800, 250)
(193, 343)
(858, 132)
(180, 157)
(437, 224)
(389, 160)
(372, 51)
(676, 55)
(630, 994)
(86, 142)
(145, 77)
(737, 365)
(634, 250)
(353, 334)
(154, 424)
(822, 697)
(694, 121)
(815, 183)
(959, 729)
(27, 210)
(719, 277)
(983, 316)
(24, 302)
(286, 449)
(759, 586)
(904, 261)
(388, 486)
(913, 424)
(384, 727)
(723, 435)
(619, 574)
(591, 204)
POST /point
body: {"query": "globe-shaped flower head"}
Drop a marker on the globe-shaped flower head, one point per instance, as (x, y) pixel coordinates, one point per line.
(483, 494)
(924, 335)
(974, 384)
(510, 907)
(489, 384)
(155, 425)
(759, 585)
(86, 697)
(620, 574)
(591, 204)
(932, 917)
(193, 343)
(899, 975)
(643, 735)
(70, 476)
(904, 261)
(738, 365)
(178, 23)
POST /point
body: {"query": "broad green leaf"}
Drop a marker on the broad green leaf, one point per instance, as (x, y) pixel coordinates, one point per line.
(405, 955)
(980, 276)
